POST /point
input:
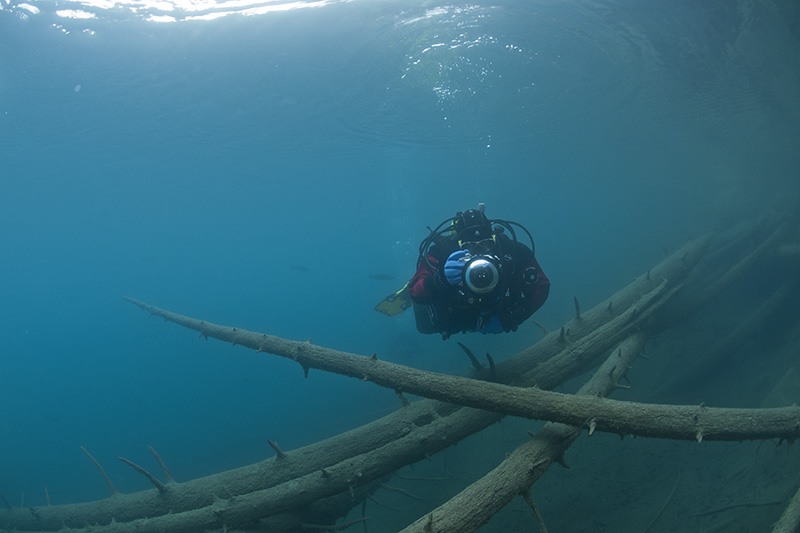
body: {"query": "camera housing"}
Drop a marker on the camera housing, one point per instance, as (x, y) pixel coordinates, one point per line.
(481, 273)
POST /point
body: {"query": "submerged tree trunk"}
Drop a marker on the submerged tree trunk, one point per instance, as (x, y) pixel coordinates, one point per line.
(313, 486)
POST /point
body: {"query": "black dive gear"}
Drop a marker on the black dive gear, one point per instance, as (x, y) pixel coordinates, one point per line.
(474, 232)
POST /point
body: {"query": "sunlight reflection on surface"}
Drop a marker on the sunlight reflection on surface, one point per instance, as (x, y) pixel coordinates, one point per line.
(157, 10)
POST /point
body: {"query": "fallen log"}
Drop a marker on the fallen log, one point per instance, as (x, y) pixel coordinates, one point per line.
(528, 462)
(625, 418)
(243, 496)
(558, 356)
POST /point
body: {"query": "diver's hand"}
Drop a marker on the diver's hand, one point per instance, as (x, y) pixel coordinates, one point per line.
(454, 267)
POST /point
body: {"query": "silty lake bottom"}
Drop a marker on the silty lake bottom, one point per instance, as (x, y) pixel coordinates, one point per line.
(274, 166)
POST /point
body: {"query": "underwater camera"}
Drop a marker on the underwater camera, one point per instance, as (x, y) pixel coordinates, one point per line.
(481, 273)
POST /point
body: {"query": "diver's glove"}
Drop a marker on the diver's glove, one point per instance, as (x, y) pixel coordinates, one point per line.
(493, 325)
(454, 267)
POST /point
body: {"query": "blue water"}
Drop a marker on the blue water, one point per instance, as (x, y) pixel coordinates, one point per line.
(255, 170)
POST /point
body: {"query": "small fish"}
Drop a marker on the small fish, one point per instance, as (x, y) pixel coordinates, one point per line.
(382, 277)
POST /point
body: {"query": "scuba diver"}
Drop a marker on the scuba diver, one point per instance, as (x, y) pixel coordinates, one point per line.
(472, 274)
